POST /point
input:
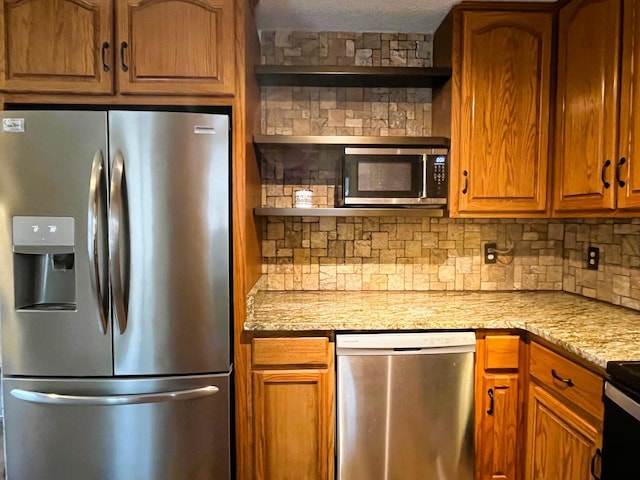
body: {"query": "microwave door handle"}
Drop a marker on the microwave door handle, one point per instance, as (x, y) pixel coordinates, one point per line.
(424, 177)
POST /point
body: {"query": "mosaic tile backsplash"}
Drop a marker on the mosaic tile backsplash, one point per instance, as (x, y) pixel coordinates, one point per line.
(346, 111)
(347, 49)
(410, 253)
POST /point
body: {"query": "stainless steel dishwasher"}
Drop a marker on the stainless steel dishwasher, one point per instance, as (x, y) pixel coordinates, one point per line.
(405, 406)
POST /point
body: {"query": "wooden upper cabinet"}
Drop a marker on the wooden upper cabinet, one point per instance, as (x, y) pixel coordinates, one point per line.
(176, 46)
(56, 46)
(628, 166)
(503, 135)
(586, 110)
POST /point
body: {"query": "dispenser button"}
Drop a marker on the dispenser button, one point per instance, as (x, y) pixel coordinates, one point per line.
(35, 228)
(53, 228)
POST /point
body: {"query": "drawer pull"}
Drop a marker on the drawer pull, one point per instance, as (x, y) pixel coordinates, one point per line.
(566, 381)
(490, 392)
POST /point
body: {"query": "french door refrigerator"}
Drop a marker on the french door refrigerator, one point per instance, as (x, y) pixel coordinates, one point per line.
(115, 295)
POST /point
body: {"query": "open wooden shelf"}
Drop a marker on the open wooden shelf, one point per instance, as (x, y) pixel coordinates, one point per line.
(349, 76)
(352, 140)
(349, 212)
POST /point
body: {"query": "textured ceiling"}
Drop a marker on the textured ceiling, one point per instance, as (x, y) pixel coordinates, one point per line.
(407, 16)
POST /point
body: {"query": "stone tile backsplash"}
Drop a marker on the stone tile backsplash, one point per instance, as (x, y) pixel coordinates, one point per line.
(413, 253)
(410, 253)
(296, 110)
(617, 279)
(347, 49)
(346, 111)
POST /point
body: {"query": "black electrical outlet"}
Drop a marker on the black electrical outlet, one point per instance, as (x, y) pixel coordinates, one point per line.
(593, 258)
(490, 255)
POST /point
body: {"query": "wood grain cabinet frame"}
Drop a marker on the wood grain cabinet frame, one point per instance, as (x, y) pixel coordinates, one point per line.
(293, 382)
(56, 46)
(498, 407)
(564, 418)
(598, 129)
(500, 104)
(155, 47)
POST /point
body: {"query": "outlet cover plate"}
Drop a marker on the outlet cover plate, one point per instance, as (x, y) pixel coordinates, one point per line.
(490, 257)
(593, 258)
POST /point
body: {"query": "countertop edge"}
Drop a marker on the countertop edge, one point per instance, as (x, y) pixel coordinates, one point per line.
(560, 334)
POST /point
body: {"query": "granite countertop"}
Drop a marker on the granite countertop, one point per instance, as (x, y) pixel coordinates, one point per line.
(593, 330)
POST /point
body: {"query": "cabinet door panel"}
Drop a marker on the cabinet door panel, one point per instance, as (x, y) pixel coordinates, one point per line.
(506, 61)
(176, 46)
(629, 192)
(293, 424)
(498, 434)
(589, 52)
(56, 46)
(560, 443)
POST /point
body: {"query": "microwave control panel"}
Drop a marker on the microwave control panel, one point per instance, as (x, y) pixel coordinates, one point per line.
(437, 184)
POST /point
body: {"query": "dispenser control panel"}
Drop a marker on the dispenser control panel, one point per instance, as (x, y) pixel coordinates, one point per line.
(47, 231)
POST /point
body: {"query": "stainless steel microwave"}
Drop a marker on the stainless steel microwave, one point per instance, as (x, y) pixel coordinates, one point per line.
(394, 177)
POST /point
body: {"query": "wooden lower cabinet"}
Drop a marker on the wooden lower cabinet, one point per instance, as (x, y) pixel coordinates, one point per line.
(561, 443)
(497, 450)
(498, 411)
(293, 383)
(564, 418)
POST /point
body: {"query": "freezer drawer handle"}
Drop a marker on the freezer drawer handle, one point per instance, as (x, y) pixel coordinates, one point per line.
(96, 191)
(56, 399)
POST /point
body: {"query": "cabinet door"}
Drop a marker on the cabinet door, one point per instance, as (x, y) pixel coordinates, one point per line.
(560, 442)
(504, 125)
(629, 152)
(586, 110)
(176, 46)
(56, 46)
(293, 424)
(497, 436)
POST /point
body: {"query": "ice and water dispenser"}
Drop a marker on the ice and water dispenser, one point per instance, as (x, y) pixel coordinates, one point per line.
(44, 263)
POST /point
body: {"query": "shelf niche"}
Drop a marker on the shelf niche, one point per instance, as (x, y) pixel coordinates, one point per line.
(349, 76)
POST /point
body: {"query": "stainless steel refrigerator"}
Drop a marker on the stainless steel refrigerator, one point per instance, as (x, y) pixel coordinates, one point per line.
(115, 295)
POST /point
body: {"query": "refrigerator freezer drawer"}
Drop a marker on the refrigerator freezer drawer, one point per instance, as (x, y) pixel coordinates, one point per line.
(152, 429)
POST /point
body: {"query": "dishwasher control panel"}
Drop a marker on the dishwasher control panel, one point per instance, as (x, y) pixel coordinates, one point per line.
(398, 342)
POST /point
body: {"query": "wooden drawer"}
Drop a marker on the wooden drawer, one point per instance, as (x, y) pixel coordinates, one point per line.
(585, 389)
(502, 352)
(297, 352)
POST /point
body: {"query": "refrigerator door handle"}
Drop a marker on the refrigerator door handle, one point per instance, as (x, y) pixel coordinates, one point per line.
(115, 220)
(112, 400)
(95, 194)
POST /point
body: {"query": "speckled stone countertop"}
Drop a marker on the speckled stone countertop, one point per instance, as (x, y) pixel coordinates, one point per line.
(593, 330)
